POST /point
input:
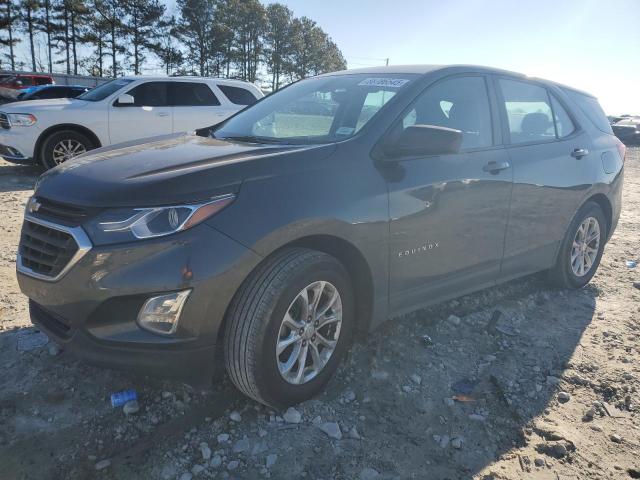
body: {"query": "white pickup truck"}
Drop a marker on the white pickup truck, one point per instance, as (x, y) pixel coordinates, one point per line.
(128, 108)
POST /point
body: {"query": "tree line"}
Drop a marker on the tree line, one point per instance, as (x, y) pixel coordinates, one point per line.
(227, 38)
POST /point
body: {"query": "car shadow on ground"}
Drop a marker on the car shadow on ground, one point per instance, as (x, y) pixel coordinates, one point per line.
(18, 177)
(440, 393)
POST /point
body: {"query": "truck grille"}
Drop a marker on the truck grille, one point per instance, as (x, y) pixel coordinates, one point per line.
(4, 121)
(44, 250)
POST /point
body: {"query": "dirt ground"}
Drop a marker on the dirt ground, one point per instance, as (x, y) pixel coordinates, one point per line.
(548, 391)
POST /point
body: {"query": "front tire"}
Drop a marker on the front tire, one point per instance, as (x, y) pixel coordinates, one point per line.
(289, 326)
(62, 146)
(581, 248)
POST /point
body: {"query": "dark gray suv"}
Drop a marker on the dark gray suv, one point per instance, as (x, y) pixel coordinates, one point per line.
(264, 243)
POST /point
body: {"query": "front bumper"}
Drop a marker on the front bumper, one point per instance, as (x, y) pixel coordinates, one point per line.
(92, 309)
(17, 144)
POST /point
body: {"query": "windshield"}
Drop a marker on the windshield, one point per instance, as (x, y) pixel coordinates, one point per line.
(317, 110)
(104, 90)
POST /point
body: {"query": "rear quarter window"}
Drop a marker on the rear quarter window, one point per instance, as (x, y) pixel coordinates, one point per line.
(592, 109)
(238, 95)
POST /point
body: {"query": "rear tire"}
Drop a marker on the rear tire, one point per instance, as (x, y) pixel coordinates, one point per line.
(56, 144)
(569, 271)
(263, 306)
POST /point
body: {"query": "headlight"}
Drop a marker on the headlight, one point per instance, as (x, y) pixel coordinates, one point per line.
(21, 119)
(128, 224)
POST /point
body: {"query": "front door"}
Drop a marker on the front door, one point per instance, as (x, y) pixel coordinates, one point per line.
(148, 116)
(449, 212)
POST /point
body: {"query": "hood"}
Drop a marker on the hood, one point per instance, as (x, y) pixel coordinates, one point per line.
(177, 168)
(30, 106)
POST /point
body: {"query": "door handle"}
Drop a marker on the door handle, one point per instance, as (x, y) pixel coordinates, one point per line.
(495, 167)
(163, 114)
(579, 153)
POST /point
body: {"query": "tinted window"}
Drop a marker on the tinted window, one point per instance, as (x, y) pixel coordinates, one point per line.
(74, 92)
(592, 109)
(564, 125)
(461, 103)
(150, 94)
(237, 95)
(104, 90)
(49, 93)
(185, 94)
(528, 112)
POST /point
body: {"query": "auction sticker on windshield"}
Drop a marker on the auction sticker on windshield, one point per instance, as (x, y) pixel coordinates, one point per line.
(383, 82)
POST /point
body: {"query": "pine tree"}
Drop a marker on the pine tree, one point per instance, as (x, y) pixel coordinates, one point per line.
(44, 24)
(197, 19)
(29, 9)
(166, 46)
(278, 44)
(8, 22)
(112, 12)
(141, 26)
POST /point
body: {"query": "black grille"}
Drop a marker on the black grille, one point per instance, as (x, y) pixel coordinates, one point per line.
(4, 121)
(45, 250)
(62, 213)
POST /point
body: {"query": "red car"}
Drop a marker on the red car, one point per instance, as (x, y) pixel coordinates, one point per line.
(19, 81)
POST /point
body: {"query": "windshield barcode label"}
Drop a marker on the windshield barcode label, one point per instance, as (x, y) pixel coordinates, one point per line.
(383, 82)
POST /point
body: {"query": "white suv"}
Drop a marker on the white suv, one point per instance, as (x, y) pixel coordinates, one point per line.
(128, 108)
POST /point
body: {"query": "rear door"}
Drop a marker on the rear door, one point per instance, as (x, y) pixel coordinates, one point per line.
(148, 116)
(194, 105)
(449, 212)
(550, 176)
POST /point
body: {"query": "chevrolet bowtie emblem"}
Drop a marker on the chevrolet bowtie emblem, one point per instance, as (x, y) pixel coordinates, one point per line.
(34, 205)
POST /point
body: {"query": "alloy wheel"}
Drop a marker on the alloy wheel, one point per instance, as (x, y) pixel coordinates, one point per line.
(309, 332)
(585, 247)
(67, 149)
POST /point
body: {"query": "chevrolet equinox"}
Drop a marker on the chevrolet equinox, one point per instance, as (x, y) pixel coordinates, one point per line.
(264, 243)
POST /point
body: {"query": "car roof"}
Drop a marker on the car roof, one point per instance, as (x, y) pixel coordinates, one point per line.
(454, 68)
(229, 81)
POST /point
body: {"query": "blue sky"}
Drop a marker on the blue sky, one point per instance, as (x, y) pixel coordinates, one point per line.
(589, 44)
(593, 45)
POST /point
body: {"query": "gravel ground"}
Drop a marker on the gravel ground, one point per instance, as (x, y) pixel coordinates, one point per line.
(517, 381)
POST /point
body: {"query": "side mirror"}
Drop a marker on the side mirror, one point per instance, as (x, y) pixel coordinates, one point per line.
(126, 99)
(422, 140)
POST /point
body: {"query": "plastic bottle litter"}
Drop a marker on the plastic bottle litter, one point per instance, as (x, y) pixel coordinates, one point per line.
(631, 263)
(118, 399)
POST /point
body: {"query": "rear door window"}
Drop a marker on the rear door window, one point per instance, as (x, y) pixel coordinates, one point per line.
(191, 94)
(238, 95)
(529, 113)
(461, 103)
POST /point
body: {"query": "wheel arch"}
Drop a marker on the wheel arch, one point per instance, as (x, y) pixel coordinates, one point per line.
(603, 202)
(352, 260)
(37, 151)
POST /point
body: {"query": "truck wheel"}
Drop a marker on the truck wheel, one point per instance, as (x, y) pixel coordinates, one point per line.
(61, 146)
(581, 249)
(288, 327)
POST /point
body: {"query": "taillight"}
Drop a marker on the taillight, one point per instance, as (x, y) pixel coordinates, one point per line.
(622, 150)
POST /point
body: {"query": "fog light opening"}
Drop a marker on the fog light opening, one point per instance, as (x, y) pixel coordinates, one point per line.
(161, 314)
